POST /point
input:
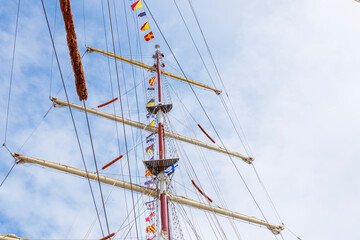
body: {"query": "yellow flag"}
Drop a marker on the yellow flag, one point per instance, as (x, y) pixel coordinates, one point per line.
(145, 26)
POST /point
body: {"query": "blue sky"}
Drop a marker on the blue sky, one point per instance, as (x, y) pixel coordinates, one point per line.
(291, 72)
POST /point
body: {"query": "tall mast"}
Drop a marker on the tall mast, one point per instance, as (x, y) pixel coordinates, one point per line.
(165, 231)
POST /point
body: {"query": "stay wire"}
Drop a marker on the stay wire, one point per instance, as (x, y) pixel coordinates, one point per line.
(52, 53)
(12, 71)
(71, 114)
(122, 115)
(242, 178)
(268, 195)
(10, 168)
(137, 174)
(192, 39)
(96, 167)
(227, 110)
(27, 139)
(222, 83)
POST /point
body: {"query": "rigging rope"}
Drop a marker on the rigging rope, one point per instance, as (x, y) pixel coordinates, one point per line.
(52, 53)
(122, 114)
(8, 171)
(11, 72)
(227, 110)
(71, 114)
(96, 167)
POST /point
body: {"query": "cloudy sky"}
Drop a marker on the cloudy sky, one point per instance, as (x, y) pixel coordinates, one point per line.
(290, 69)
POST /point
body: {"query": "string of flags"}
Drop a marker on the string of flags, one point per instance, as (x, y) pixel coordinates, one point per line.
(137, 5)
(150, 220)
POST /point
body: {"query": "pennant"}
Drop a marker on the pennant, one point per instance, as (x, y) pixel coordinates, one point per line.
(149, 36)
(136, 5)
(171, 169)
(145, 26)
(148, 173)
(152, 123)
(152, 214)
(151, 102)
(147, 219)
(152, 81)
(148, 183)
(151, 238)
(151, 229)
(150, 148)
(152, 158)
(142, 14)
(150, 205)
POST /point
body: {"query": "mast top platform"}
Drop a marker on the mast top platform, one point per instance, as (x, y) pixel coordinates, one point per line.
(157, 166)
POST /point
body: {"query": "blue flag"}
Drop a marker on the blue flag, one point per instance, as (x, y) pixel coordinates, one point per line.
(142, 14)
(148, 183)
(150, 138)
(149, 115)
(171, 169)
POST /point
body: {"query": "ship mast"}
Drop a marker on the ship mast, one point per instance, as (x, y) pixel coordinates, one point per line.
(162, 177)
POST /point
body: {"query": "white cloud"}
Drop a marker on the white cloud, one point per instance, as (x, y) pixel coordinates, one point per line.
(291, 71)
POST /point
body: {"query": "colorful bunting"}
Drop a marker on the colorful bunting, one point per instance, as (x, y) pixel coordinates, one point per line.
(152, 81)
(136, 5)
(145, 26)
(149, 36)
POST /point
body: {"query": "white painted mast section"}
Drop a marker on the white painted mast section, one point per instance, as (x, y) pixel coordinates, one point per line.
(153, 129)
(147, 191)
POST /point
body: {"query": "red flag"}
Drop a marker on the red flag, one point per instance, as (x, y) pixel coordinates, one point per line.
(149, 36)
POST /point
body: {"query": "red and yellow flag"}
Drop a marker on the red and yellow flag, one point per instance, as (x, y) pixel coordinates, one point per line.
(148, 173)
(151, 229)
(152, 81)
(136, 5)
(145, 26)
(149, 36)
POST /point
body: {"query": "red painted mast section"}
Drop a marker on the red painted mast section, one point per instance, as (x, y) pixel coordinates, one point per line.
(163, 196)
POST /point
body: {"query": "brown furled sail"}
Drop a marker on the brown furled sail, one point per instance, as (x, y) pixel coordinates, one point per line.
(73, 50)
